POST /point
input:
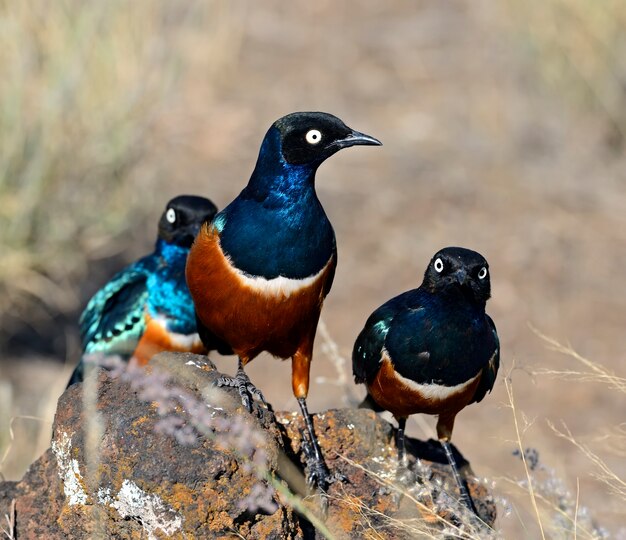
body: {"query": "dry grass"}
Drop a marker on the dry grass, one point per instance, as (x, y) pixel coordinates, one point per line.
(540, 493)
(83, 87)
(557, 511)
(594, 373)
(9, 531)
(428, 499)
(520, 444)
(579, 50)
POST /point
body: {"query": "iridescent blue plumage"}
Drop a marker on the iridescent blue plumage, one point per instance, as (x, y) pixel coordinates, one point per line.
(458, 337)
(280, 203)
(438, 333)
(153, 287)
(168, 295)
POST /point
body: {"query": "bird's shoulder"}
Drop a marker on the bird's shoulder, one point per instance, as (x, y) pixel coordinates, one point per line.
(367, 353)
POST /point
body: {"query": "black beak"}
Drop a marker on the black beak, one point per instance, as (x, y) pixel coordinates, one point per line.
(188, 234)
(355, 138)
(461, 276)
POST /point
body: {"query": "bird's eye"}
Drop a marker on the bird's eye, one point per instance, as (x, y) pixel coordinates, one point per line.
(170, 215)
(482, 274)
(439, 265)
(313, 136)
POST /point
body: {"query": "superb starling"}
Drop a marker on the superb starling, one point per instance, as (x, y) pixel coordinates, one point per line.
(432, 350)
(146, 308)
(259, 273)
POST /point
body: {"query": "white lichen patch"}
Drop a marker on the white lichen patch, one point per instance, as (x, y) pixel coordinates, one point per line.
(153, 514)
(69, 471)
(104, 496)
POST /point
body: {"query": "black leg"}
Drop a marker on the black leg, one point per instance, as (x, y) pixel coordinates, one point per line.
(465, 496)
(247, 390)
(402, 461)
(319, 475)
(405, 477)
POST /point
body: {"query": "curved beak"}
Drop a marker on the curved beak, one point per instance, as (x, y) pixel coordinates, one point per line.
(355, 138)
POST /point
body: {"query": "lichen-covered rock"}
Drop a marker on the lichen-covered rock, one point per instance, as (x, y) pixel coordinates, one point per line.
(171, 456)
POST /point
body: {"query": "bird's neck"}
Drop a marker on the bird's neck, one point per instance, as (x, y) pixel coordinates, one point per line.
(172, 253)
(459, 301)
(273, 176)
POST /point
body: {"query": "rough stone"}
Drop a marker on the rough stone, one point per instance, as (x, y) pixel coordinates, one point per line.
(123, 477)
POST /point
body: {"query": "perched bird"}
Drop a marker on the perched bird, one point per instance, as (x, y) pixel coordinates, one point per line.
(146, 308)
(259, 273)
(433, 349)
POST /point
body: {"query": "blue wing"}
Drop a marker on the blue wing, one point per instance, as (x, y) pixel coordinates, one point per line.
(367, 351)
(113, 321)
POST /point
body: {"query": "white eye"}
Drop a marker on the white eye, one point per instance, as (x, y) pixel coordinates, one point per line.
(313, 136)
(483, 273)
(439, 265)
(170, 215)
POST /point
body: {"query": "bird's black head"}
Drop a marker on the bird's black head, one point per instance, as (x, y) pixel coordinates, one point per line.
(460, 269)
(312, 137)
(183, 217)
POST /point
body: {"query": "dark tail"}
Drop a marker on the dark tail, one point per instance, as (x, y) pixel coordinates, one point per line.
(78, 375)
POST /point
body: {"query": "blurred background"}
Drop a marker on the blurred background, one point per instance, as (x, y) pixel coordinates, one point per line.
(504, 131)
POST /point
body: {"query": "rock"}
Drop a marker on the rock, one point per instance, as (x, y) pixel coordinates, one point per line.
(172, 456)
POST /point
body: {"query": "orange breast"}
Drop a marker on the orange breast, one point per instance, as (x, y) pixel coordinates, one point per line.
(403, 399)
(252, 315)
(157, 339)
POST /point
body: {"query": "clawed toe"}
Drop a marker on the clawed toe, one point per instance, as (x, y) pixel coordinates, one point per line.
(318, 474)
(247, 391)
(254, 391)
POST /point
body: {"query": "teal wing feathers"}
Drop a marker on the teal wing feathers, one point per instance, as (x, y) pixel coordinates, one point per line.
(366, 355)
(113, 321)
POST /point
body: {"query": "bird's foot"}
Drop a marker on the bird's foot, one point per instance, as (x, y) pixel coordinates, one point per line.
(318, 475)
(248, 392)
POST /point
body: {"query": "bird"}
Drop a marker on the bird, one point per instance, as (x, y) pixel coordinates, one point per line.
(146, 307)
(433, 349)
(259, 272)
